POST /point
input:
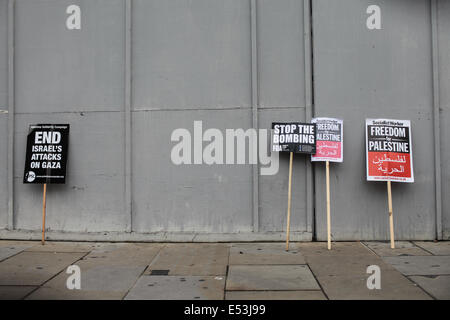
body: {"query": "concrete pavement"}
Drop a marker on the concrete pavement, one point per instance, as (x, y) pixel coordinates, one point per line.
(200, 271)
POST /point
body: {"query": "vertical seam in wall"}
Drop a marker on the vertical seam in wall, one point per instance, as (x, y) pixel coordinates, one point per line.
(308, 109)
(436, 120)
(128, 206)
(254, 85)
(311, 24)
(11, 114)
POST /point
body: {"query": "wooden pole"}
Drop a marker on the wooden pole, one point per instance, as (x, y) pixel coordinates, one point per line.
(44, 200)
(328, 206)
(289, 201)
(391, 215)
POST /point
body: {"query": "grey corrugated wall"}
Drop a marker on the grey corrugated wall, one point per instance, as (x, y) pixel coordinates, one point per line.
(387, 73)
(444, 101)
(3, 114)
(139, 69)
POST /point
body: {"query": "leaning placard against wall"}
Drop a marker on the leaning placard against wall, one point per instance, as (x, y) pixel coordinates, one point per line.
(329, 140)
(293, 137)
(46, 154)
(389, 150)
(46, 158)
(389, 156)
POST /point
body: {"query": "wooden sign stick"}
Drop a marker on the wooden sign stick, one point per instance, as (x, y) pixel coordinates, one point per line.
(289, 201)
(44, 200)
(328, 206)
(391, 215)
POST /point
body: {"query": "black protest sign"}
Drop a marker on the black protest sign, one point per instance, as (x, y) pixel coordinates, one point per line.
(46, 156)
(294, 137)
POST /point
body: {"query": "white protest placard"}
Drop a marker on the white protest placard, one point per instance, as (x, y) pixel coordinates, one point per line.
(389, 156)
(329, 148)
(329, 140)
(389, 150)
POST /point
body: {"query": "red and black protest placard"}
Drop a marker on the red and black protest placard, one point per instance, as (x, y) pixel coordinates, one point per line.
(329, 144)
(389, 150)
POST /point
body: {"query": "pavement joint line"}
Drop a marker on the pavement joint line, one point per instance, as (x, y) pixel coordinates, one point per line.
(417, 285)
(58, 251)
(423, 248)
(185, 275)
(226, 272)
(410, 241)
(270, 265)
(410, 280)
(225, 285)
(370, 249)
(318, 282)
(134, 283)
(142, 273)
(18, 285)
(157, 255)
(276, 290)
(424, 275)
(380, 256)
(4, 259)
(54, 276)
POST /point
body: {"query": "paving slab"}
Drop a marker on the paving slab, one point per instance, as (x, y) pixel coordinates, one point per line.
(108, 278)
(192, 259)
(402, 248)
(421, 266)
(394, 286)
(15, 292)
(111, 247)
(108, 272)
(34, 268)
(51, 246)
(345, 265)
(123, 254)
(46, 293)
(97, 282)
(275, 295)
(270, 278)
(354, 248)
(264, 253)
(437, 286)
(18, 243)
(440, 248)
(178, 288)
(343, 276)
(11, 248)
